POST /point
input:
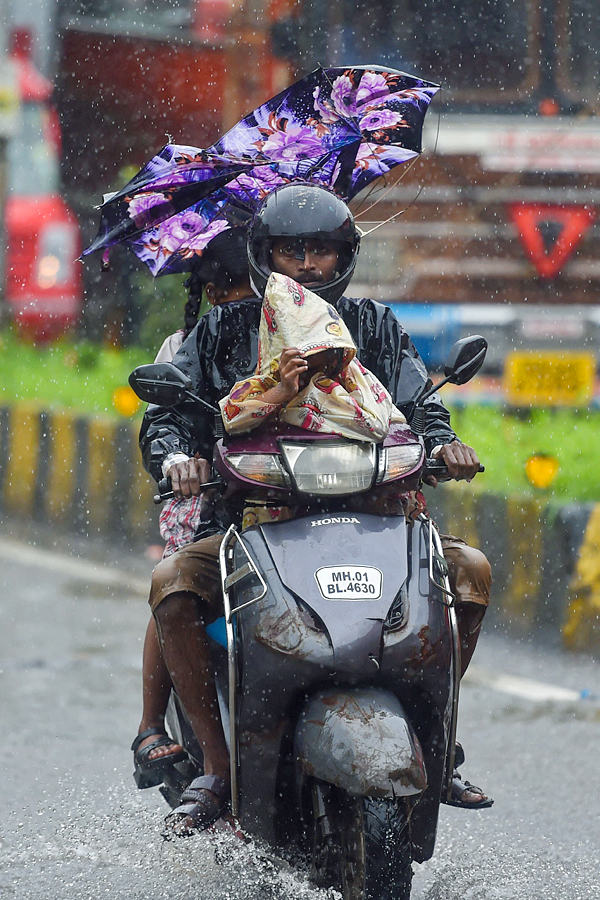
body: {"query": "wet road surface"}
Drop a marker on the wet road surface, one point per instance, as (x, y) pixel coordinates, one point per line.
(74, 826)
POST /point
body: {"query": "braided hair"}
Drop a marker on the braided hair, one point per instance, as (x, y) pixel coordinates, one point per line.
(224, 262)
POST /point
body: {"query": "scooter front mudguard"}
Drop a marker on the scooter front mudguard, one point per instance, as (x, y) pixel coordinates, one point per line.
(360, 741)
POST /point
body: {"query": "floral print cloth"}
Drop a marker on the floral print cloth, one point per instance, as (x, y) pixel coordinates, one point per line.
(352, 404)
(339, 127)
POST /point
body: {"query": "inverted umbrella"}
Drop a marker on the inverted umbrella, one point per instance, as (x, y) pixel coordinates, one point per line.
(339, 127)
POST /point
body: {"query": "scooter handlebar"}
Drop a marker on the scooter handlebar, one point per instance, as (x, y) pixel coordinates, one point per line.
(165, 489)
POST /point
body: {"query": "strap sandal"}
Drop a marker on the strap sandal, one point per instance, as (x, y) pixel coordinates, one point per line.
(150, 772)
(460, 788)
(198, 810)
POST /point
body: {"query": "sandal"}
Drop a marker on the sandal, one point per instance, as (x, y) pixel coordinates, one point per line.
(460, 788)
(198, 806)
(150, 772)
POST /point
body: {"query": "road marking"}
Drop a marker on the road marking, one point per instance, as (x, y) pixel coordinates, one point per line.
(14, 551)
(525, 688)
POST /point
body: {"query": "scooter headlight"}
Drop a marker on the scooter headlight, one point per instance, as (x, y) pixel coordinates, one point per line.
(400, 460)
(263, 467)
(331, 468)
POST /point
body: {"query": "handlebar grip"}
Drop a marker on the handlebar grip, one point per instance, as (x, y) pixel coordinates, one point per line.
(438, 468)
(165, 491)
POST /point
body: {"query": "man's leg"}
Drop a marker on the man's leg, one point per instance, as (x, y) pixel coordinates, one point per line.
(469, 618)
(470, 578)
(186, 596)
(187, 656)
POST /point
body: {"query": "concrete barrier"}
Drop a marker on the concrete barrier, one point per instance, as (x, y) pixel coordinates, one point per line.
(85, 475)
(545, 560)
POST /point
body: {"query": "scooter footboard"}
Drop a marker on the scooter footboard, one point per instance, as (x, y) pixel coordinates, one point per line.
(360, 741)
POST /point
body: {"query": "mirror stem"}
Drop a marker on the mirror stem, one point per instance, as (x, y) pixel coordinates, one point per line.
(212, 409)
(433, 389)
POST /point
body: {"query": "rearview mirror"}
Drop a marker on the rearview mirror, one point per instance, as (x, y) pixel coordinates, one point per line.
(160, 383)
(465, 359)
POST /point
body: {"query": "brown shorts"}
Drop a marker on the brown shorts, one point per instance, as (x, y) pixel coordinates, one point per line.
(195, 569)
(192, 569)
(468, 569)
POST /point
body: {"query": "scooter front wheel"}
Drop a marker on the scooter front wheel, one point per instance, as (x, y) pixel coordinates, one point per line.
(361, 846)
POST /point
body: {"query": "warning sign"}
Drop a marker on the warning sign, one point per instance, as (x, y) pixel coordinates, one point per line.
(550, 234)
(549, 379)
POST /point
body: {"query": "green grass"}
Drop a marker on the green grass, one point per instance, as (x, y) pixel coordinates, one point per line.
(78, 376)
(83, 376)
(504, 442)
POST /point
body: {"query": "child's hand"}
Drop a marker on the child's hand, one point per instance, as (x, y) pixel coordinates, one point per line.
(292, 366)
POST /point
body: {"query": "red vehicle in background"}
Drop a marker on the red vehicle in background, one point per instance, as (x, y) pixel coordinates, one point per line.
(44, 288)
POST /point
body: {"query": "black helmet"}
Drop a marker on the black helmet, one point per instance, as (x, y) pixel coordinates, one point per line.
(303, 211)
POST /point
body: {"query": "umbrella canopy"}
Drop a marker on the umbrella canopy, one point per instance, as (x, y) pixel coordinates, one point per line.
(339, 127)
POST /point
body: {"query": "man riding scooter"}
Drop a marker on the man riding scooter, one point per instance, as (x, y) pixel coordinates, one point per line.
(307, 233)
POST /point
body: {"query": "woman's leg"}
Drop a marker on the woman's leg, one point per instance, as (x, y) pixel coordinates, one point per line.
(156, 688)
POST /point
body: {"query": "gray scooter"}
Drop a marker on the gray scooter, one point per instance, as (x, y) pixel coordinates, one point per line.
(339, 662)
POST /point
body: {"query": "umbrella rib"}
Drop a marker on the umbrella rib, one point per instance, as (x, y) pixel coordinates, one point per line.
(395, 215)
(390, 188)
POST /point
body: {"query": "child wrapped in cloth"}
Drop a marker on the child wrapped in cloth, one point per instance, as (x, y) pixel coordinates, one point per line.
(308, 375)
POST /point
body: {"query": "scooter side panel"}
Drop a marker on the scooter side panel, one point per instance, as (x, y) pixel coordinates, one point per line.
(361, 742)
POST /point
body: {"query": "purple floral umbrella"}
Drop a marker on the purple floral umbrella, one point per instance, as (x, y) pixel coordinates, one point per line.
(339, 127)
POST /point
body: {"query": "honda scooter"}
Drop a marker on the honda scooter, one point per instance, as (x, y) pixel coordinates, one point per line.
(338, 661)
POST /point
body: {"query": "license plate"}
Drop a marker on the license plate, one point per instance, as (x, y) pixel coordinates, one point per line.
(350, 582)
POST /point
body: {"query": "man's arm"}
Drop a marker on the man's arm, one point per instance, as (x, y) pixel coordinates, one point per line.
(387, 350)
(440, 440)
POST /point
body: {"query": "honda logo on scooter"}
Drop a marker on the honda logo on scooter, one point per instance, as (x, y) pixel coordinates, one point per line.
(336, 520)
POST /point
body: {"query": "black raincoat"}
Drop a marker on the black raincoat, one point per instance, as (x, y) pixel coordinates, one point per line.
(223, 349)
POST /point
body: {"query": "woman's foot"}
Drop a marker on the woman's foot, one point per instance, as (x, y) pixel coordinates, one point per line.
(161, 750)
(153, 753)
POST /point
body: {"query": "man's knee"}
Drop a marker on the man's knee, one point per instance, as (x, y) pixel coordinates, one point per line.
(177, 608)
(167, 599)
(469, 571)
(477, 564)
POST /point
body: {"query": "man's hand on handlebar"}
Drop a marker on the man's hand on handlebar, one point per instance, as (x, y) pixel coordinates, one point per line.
(461, 461)
(186, 477)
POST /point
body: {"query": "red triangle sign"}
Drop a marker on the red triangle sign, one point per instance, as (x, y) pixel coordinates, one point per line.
(549, 233)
